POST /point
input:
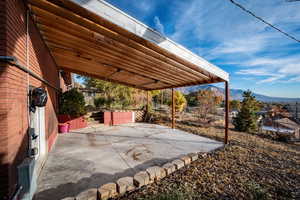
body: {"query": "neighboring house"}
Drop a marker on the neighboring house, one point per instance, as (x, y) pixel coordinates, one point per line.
(233, 113)
(283, 125)
(88, 93)
(278, 113)
(288, 124)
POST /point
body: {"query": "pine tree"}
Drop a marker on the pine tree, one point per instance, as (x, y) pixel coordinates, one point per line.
(246, 119)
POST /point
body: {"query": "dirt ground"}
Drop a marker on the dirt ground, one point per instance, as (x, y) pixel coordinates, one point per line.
(249, 167)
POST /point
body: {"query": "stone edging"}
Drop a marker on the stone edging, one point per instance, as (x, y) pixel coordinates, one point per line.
(126, 184)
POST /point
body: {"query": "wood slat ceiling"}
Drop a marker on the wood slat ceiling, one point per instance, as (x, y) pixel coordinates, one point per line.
(85, 43)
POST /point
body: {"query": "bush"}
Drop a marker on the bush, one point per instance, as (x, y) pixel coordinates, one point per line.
(100, 102)
(256, 191)
(90, 108)
(72, 103)
(176, 195)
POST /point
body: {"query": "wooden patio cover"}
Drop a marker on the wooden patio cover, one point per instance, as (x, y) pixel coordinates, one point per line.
(93, 38)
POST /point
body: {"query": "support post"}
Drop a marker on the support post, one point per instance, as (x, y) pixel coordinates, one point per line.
(148, 104)
(226, 112)
(173, 109)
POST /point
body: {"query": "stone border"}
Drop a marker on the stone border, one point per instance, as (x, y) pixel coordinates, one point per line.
(142, 178)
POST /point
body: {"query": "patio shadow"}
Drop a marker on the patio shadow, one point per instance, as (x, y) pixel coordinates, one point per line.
(94, 181)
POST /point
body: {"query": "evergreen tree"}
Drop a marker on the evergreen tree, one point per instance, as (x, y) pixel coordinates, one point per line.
(246, 119)
(235, 105)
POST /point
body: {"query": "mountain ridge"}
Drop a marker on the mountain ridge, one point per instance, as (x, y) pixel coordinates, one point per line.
(237, 94)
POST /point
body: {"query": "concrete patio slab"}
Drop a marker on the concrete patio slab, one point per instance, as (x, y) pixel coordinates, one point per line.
(91, 157)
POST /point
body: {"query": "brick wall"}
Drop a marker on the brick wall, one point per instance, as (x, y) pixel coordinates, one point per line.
(13, 90)
(116, 118)
(3, 93)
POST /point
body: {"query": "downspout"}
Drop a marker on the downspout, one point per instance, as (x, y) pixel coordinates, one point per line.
(28, 81)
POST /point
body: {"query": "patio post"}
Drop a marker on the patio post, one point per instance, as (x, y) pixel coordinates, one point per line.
(173, 109)
(226, 111)
(148, 99)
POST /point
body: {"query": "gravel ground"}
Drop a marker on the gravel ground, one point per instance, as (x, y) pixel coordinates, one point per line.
(249, 167)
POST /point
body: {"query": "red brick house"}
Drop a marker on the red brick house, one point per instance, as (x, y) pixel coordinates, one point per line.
(23, 41)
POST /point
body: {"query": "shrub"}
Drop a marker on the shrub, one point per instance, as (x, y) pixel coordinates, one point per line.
(90, 108)
(72, 103)
(256, 191)
(100, 102)
(176, 195)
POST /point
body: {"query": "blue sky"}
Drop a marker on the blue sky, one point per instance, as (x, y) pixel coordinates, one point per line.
(256, 56)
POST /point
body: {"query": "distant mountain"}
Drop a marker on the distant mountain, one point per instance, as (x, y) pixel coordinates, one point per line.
(237, 94)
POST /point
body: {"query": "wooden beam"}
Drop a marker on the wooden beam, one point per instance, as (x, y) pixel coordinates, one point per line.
(75, 8)
(66, 27)
(84, 19)
(117, 71)
(150, 83)
(93, 67)
(54, 38)
(227, 93)
(57, 47)
(173, 109)
(94, 34)
(98, 76)
(212, 80)
(98, 62)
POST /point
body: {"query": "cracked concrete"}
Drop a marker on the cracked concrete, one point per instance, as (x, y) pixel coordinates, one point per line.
(91, 157)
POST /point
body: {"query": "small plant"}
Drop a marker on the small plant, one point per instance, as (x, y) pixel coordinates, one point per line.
(170, 196)
(100, 102)
(72, 103)
(256, 191)
(90, 108)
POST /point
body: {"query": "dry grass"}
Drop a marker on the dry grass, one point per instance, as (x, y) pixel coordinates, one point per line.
(250, 167)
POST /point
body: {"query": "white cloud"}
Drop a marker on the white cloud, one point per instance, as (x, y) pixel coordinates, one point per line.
(241, 40)
(248, 45)
(294, 79)
(256, 72)
(144, 5)
(275, 69)
(271, 79)
(158, 25)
